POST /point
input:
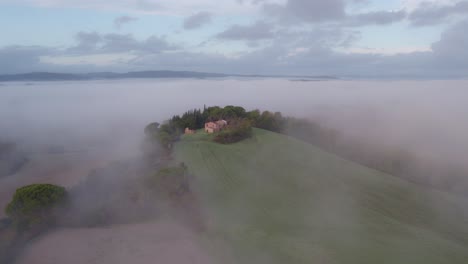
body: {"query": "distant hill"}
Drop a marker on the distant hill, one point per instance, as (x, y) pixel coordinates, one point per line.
(40, 76)
(275, 199)
(48, 76)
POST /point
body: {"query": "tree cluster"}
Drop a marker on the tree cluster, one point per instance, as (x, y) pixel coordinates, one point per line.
(237, 130)
(34, 205)
(242, 121)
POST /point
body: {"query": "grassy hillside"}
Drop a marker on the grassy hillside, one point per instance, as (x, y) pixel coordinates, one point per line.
(274, 199)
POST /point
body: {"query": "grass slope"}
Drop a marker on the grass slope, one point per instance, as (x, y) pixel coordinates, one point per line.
(278, 200)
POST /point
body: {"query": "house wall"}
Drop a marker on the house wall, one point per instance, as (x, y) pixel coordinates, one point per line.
(212, 127)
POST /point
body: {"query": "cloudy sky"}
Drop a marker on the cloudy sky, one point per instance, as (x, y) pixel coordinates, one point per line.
(359, 38)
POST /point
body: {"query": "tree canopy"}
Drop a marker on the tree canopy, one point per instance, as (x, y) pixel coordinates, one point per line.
(242, 121)
(33, 204)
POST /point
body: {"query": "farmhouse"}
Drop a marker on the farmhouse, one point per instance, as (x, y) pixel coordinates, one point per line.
(213, 127)
(189, 131)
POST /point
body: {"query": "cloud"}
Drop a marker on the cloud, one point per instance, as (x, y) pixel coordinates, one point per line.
(315, 52)
(14, 59)
(429, 13)
(452, 47)
(317, 11)
(22, 59)
(87, 41)
(376, 18)
(95, 43)
(302, 51)
(112, 43)
(122, 20)
(197, 20)
(257, 31)
(166, 7)
(308, 10)
(147, 5)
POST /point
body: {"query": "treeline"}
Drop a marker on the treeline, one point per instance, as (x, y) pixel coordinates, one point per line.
(240, 124)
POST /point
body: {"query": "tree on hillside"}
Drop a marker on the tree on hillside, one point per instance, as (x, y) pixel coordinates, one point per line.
(34, 204)
(213, 113)
(152, 129)
(270, 121)
(168, 133)
(253, 116)
(230, 111)
(237, 130)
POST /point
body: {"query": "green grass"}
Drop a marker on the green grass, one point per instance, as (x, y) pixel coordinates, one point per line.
(274, 199)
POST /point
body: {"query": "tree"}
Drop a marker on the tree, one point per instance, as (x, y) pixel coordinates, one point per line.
(34, 204)
(152, 129)
(213, 113)
(270, 121)
(168, 133)
(231, 111)
(237, 130)
(253, 116)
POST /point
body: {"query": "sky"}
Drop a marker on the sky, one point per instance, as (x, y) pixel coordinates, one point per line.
(349, 38)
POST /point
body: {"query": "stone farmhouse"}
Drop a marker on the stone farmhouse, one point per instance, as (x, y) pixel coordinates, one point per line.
(213, 127)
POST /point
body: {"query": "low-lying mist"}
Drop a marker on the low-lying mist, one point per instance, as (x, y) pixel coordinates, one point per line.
(421, 117)
(70, 130)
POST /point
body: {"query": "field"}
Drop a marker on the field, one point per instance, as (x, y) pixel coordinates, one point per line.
(273, 199)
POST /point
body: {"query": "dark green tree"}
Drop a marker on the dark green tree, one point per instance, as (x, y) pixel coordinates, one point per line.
(35, 204)
(152, 129)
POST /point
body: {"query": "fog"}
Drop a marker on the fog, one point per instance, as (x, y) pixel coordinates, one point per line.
(68, 129)
(100, 121)
(425, 116)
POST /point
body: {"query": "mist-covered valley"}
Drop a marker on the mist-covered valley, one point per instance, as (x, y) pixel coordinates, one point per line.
(69, 131)
(106, 118)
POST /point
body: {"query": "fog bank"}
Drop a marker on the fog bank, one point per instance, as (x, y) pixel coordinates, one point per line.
(103, 120)
(423, 115)
(68, 129)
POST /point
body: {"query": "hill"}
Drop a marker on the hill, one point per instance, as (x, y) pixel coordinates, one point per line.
(50, 76)
(275, 199)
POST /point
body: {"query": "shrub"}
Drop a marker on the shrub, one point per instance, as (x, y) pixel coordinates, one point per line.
(34, 204)
(152, 129)
(236, 131)
(270, 121)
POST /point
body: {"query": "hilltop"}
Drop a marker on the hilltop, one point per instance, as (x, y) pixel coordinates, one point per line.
(275, 199)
